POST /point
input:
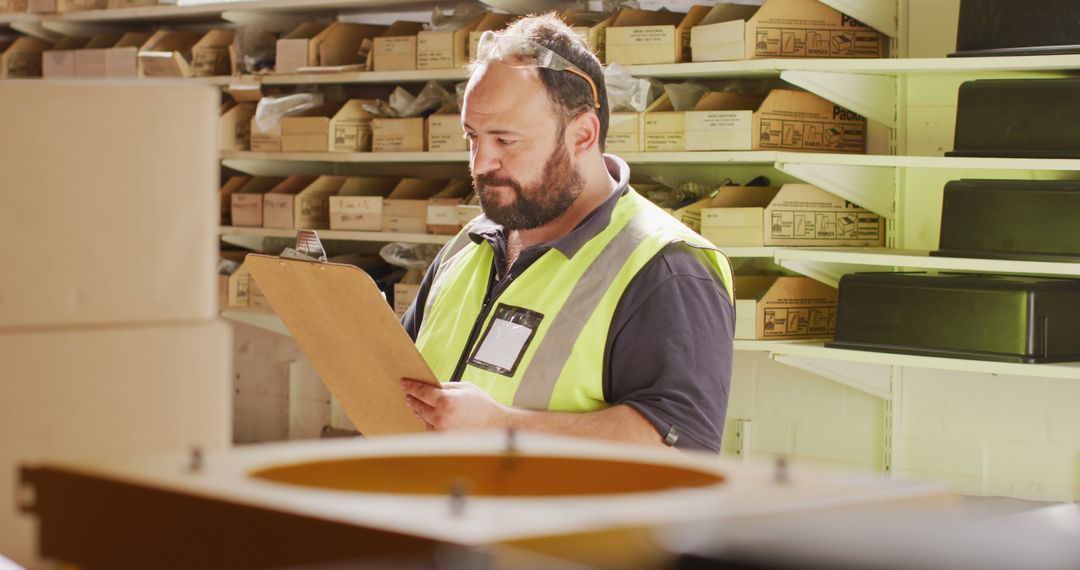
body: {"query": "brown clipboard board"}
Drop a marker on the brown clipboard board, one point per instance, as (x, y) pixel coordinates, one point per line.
(345, 327)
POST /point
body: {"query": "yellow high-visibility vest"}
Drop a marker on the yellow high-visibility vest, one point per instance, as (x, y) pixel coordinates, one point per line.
(568, 304)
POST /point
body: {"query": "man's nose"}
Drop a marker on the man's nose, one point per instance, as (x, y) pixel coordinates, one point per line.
(483, 158)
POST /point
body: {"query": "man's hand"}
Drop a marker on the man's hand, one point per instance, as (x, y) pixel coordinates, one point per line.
(457, 405)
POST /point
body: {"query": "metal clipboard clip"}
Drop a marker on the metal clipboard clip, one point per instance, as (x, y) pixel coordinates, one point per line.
(308, 248)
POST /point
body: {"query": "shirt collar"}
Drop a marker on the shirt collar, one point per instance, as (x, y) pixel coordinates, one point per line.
(484, 229)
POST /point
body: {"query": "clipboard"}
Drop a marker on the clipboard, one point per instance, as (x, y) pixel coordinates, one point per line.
(344, 326)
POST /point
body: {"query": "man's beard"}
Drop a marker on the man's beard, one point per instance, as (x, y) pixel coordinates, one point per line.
(538, 205)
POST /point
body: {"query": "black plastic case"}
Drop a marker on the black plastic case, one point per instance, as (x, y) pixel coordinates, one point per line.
(982, 317)
(1010, 27)
(1028, 118)
(1036, 220)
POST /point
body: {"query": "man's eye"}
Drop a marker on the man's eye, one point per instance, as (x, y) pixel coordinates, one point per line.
(470, 136)
(506, 142)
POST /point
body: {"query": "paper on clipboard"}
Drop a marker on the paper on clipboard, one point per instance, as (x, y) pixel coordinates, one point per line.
(348, 331)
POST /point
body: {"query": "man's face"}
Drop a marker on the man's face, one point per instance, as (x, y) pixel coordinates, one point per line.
(520, 159)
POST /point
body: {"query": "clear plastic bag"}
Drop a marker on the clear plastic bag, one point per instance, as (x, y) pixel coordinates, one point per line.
(684, 96)
(270, 110)
(411, 256)
(402, 104)
(627, 93)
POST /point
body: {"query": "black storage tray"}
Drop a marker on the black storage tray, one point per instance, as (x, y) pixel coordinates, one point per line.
(1029, 118)
(1035, 220)
(982, 317)
(1009, 27)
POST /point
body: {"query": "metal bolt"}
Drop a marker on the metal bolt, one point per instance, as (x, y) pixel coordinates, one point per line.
(510, 454)
(458, 492)
(195, 464)
(780, 475)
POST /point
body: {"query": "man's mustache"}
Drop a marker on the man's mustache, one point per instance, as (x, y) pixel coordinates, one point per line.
(484, 180)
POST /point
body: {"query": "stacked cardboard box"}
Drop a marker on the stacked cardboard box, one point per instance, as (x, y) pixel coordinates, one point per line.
(783, 28)
(785, 119)
(792, 215)
(108, 324)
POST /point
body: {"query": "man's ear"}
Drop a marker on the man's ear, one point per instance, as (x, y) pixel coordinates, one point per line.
(584, 132)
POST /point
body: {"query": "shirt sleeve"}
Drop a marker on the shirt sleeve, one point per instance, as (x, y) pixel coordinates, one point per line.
(670, 350)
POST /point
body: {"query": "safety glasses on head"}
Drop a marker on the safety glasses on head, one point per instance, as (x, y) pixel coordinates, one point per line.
(519, 51)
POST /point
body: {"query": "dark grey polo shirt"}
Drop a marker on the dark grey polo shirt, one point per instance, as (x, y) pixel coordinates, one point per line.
(668, 353)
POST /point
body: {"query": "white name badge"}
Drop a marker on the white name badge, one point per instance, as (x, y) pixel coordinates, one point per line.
(506, 339)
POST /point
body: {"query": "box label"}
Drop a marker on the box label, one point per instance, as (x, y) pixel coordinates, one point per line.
(785, 41)
(799, 320)
(811, 134)
(829, 225)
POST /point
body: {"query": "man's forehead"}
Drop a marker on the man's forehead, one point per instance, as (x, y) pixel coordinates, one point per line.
(497, 89)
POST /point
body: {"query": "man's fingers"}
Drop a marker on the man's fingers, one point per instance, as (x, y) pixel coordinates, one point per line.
(421, 391)
(422, 410)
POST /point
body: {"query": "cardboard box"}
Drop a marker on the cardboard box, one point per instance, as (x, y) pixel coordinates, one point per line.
(309, 131)
(783, 28)
(398, 135)
(41, 6)
(639, 37)
(783, 120)
(247, 201)
(121, 4)
(624, 132)
(244, 292)
(223, 291)
(65, 6)
(174, 54)
(22, 58)
(312, 210)
(106, 56)
(280, 203)
(395, 50)
(405, 209)
(445, 50)
(442, 211)
(166, 54)
(467, 213)
(295, 49)
(490, 21)
(341, 43)
(588, 26)
(225, 193)
(60, 61)
(234, 127)
(774, 307)
(792, 215)
(314, 45)
(106, 392)
(350, 128)
(13, 5)
(118, 232)
(358, 205)
(445, 133)
(404, 295)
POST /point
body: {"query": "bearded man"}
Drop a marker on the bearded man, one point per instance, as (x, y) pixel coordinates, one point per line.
(572, 306)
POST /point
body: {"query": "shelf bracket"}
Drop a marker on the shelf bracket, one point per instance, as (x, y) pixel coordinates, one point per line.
(827, 273)
(873, 379)
(870, 187)
(81, 29)
(269, 21)
(873, 96)
(35, 29)
(878, 14)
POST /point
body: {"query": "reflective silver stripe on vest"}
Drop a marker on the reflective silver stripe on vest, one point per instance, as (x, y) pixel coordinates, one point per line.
(538, 383)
